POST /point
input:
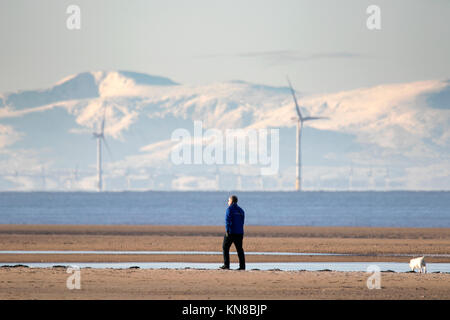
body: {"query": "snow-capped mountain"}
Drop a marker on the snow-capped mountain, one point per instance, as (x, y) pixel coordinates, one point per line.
(394, 136)
(80, 86)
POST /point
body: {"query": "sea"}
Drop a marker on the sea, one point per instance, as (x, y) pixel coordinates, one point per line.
(425, 209)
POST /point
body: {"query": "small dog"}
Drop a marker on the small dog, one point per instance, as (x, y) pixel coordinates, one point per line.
(418, 263)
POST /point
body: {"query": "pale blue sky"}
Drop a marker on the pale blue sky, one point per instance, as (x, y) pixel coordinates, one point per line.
(323, 45)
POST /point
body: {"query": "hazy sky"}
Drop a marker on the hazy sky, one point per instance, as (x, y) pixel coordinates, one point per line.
(324, 46)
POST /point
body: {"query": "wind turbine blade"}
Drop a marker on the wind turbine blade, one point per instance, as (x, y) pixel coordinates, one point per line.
(295, 99)
(107, 147)
(103, 122)
(94, 129)
(313, 118)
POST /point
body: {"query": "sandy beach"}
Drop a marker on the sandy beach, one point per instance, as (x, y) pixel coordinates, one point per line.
(28, 283)
(362, 244)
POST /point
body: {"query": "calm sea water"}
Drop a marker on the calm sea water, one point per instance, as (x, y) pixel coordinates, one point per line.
(377, 209)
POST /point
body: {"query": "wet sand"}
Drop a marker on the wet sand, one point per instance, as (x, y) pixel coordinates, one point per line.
(363, 244)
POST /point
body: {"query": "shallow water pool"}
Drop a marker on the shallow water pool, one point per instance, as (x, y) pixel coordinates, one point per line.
(282, 266)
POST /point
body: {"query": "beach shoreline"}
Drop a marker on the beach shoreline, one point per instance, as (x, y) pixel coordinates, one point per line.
(357, 243)
(360, 244)
(21, 283)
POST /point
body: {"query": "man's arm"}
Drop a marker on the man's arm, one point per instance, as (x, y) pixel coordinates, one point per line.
(228, 221)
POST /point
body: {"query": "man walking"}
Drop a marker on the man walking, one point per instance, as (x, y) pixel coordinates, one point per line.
(234, 225)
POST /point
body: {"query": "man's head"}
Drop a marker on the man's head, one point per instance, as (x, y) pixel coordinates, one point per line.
(232, 199)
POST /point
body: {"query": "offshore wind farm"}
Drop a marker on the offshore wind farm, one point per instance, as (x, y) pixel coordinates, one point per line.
(46, 130)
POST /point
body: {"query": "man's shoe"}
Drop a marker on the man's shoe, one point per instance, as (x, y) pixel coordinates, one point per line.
(224, 267)
(241, 269)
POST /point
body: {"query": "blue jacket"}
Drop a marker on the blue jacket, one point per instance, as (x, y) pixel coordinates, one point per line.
(234, 219)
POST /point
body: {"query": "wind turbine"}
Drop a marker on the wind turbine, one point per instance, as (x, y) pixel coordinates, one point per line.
(279, 182)
(261, 182)
(43, 177)
(350, 179)
(127, 177)
(371, 179)
(300, 119)
(239, 179)
(75, 178)
(387, 180)
(100, 136)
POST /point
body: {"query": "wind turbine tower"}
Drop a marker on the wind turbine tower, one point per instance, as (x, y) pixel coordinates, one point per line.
(387, 180)
(128, 179)
(279, 182)
(239, 179)
(43, 177)
(371, 179)
(100, 136)
(300, 119)
(350, 179)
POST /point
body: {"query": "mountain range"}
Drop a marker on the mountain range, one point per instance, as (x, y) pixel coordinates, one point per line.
(387, 137)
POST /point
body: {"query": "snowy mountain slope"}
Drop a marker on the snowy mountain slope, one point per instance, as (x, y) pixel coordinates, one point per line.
(81, 86)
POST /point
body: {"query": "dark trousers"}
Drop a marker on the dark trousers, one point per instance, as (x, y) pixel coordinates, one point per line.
(227, 242)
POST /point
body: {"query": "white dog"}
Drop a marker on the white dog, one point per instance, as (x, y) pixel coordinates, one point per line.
(418, 263)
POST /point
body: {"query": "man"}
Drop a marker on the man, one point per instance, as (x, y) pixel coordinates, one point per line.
(234, 225)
